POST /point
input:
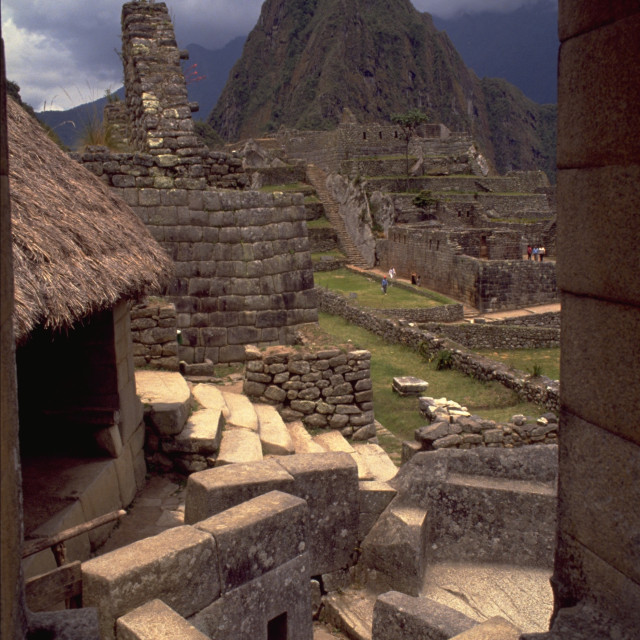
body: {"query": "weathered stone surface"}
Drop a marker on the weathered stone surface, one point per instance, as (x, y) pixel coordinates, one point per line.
(395, 548)
(493, 629)
(398, 615)
(257, 536)
(329, 484)
(211, 491)
(71, 624)
(274, 436)
(241, 412)
(374, 497)
(154, 620)
(201, 434)
(244, 613)
(239, 446)
(427, 434)
(302, 440)
(407, 386)
(179, 566)
(379, 463)
(165, 396)
(210, 397)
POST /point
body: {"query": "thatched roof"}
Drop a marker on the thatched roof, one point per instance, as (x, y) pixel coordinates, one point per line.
(77, 249)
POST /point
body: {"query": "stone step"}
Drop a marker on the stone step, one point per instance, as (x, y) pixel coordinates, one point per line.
(351, 612)
(379, 463)
(239, 445)
(335, 441)
(166, 398)
(201, 435)
(273, 432)
(209, 396)
(241, 412)
(302, 440)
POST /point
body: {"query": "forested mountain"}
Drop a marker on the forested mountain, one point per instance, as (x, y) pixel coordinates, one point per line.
(306, 60)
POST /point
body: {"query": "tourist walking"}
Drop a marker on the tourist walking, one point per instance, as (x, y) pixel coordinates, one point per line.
(392, 275)
(542, 252)
(384, 285)
(529, 250)
(535, 254)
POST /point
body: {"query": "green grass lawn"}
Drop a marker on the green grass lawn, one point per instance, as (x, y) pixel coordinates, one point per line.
(334, 253)
(400, 415)
(318, 223)
(547, 360)
(369, 292)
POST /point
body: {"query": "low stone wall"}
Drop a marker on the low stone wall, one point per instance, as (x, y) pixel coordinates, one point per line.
(540, 390)
(492, 336)
(322, 240)
(331, 264)
(328, 389)
(549, 319)
(154, 335)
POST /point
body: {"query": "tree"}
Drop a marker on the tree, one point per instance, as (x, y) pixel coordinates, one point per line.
(409, 122)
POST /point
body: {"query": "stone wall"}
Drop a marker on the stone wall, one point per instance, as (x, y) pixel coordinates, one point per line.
(542, 391)
(548, 319)
(598, 556)
(494, 336)
(154, 333)
(243, 267)
(327, 389)
(500, 282)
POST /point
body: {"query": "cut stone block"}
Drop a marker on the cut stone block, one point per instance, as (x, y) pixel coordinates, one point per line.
(395, 548)
(166, 399)
(210, 396)
(239, 446)
(350, 611)
(156, 621)
(214, 490)
(409, 386)
(274, 435)
(493, 629)
(335, 441)
(302, 440)
(202, 434)
(377, 460)
(258, 535)
(397, 615)
(241, 411)
(279, 596)
(374, 499)
(179, 566)
(329, 484)
(100, 496)
(125, 471)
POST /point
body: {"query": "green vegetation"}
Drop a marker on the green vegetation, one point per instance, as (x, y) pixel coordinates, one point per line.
(409, 122)
(537, 362)
(400, 415)
(369, 294)
(318, 223)
(334, 253)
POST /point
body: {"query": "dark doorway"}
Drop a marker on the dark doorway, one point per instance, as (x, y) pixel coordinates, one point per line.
(277, 628)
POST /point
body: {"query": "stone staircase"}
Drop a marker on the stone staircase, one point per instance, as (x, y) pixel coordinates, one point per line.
(318, 178)
(227, 428)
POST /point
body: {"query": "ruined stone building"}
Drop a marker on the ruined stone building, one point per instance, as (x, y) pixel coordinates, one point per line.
(242, 264)
(596, 581)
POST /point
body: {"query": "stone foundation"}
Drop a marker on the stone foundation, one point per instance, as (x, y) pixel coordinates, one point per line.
(328, 389)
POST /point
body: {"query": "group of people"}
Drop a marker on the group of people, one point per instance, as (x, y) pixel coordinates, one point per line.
(388, 281)
(537, 253)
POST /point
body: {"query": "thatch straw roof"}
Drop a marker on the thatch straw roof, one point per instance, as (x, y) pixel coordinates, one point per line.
(77, 249)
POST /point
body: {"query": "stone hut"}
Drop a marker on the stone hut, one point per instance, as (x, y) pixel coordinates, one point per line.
(80, 256)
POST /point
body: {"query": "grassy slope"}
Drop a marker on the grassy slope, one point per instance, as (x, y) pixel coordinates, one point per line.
(400, 415)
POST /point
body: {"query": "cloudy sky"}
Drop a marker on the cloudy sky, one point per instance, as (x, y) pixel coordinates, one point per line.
(63, 52)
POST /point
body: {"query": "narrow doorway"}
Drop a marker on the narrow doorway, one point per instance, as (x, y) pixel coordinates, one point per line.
(277, 627)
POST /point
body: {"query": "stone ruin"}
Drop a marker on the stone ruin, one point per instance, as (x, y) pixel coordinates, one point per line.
(242, 262)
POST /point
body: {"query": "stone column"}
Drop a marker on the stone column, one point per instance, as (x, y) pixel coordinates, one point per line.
(598, 554)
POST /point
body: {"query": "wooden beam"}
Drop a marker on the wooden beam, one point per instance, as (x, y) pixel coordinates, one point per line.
(47, 590)
(40, 544)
